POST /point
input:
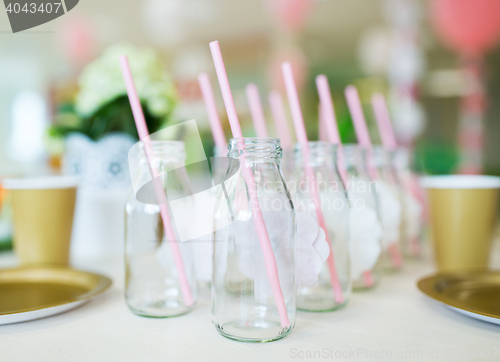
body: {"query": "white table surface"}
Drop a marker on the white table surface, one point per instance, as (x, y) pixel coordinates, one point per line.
(394, 322)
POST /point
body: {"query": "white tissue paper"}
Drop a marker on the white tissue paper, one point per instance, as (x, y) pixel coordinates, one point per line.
(202, 257)
(390, 213)
(365, 234)
(413, 215)
(312, 249)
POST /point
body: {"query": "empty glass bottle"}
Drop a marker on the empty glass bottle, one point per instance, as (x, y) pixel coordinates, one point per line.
(391, 211)
(152, 286)
(319, 192)
(249, 303)
(366, 229)
(412, 204)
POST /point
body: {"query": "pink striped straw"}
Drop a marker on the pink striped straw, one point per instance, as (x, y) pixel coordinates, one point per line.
(328, 115)
(360, 127)
(280, 121)
(142, 130)
(330, 121)
(258, 118)
(389, 142)
(300, 130)
(322, 136)
(260, 226)
(358, 117)
(213, 115)
(384, 122)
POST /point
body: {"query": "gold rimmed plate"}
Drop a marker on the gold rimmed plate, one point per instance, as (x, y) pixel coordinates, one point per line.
(28, 293)
(474, 294)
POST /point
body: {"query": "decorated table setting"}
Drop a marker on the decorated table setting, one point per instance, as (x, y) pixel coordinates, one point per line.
(140, 246)
(394, 318)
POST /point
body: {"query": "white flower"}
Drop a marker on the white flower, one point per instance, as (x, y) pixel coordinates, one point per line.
(412, 215)
(365, 234)
(390, 213)
(101, 81)
(311, 247)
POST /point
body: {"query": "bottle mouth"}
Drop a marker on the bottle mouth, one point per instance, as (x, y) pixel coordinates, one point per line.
(401, 157)
(353, 154)
(380, 155)
(318, 145)
(257, 147)
(170, 144)
(319, 152)
(163, 148)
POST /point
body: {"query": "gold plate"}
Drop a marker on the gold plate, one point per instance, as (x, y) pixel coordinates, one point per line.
(475, 294)
(28, 293)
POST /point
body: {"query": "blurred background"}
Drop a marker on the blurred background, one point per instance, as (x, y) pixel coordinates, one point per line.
(436, 61)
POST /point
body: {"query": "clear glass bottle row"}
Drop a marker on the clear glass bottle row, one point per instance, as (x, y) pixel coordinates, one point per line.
(325, 242)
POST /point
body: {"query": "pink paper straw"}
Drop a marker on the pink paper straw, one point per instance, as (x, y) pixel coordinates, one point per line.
(142, 129)
(280, 121)
(213, 115)
(322, 136)
(389, 142)
(328, 113)
(330, 121)
(360, 127)
(397, 258)
(383, 122)
(364, 140)
(358, 116)
(300, 130)
(260, 226)
(258, 118)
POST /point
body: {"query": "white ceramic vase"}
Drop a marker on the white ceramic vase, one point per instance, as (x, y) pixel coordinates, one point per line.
(102, 167)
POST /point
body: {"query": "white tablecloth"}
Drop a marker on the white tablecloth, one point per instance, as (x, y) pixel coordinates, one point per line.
(394, 322)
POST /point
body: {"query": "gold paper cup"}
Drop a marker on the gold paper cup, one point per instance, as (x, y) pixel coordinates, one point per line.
(42, 212)
(463, 214)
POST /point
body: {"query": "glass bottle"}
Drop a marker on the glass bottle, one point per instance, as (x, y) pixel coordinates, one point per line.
(412, 204)
(287, 163)
(244, 302)
(391, 211)
(152, 287)
(366, 229)
(333, 287)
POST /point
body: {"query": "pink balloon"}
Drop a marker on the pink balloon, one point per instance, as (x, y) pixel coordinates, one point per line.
(468, 26)
(297, 59)
(77, 39)
(291, 15)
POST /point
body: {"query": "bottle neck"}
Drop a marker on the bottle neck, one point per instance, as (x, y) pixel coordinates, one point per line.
(355, 157)
(401, 158)
(164, 152)
(255, 149)
(319, 153)
(381, 157)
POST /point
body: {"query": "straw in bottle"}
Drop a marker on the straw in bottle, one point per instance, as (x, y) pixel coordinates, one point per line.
(330, 122)
(327, 114)
(265, 242)
(358, 117)
(298, 121)
(142, 130)
(383, 122)
(213, 115)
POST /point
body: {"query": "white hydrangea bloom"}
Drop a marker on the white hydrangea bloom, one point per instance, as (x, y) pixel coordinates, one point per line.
(101, 81)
